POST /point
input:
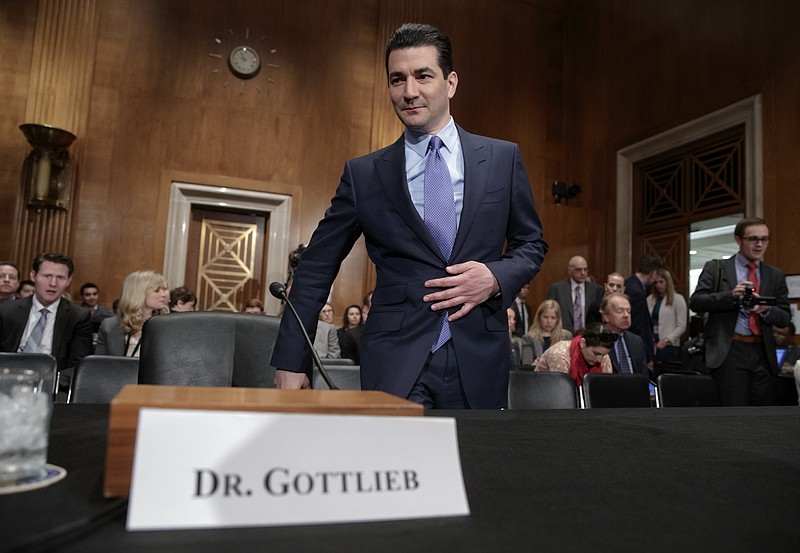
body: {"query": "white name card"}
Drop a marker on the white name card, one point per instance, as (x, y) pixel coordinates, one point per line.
(213, 469)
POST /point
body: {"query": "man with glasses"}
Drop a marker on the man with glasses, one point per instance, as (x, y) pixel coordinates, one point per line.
(739, 340)
(9, 281)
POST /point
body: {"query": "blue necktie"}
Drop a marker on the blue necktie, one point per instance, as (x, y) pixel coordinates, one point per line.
(32, 345)
(622, 358)
(440, 215)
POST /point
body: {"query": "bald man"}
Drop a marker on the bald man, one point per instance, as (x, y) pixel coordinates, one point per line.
(575, 294)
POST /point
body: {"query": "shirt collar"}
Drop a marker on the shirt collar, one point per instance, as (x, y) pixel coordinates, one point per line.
(53, 308)
(418, 142)
(742, 261)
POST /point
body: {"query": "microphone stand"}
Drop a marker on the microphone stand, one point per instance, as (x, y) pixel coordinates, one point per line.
(279, 291)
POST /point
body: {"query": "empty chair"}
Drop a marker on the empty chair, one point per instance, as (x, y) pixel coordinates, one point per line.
(616, 390)
(37, 361)
(98, 378)
(541, 390)
(345, 377)
(687, 390)
(208, 349)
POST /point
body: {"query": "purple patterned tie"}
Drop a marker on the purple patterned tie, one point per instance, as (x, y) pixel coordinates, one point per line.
(577, 311)
(440, 215)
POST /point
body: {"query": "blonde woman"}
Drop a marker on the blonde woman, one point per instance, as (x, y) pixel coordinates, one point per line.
(545, 331)
(144, 295)
(669, 315)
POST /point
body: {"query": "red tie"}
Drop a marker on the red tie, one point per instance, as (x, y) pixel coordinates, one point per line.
(752, 276)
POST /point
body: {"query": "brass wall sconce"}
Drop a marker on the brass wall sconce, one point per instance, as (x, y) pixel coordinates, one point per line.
(48, 172)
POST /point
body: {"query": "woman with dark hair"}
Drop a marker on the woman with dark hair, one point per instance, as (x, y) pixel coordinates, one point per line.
(585, 353)
(182, 299)
(352, 318)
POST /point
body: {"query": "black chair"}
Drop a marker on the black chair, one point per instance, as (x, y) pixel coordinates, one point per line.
(616, 390)
(541, 390)
(36, 361)
(686, 390)
(98, 378)
(208, 349)
(345, 377)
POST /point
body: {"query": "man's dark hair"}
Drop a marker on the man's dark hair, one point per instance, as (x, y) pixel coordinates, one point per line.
(742, 225)
(649, 263)
(27, 282)
(59, 258)
(413, 35)
(182, 294)
(598, 335)
(11, 264)
(88, 285)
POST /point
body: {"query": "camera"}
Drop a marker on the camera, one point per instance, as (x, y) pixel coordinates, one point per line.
(749, 299)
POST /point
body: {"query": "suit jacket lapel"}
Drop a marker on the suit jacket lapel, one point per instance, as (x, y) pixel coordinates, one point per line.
(21, 320)
(60, 328)
(477, 157)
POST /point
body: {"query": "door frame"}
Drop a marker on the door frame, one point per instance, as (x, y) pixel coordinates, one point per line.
(747, 112)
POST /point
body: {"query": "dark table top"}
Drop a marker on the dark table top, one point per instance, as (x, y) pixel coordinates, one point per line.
(714, 479)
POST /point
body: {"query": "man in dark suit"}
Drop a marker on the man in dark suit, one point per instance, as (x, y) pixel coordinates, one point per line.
(627, 355)
(437, 331)
(636, 290)
(65, 331)
(575, 294)
(739, 341)
(522, 312)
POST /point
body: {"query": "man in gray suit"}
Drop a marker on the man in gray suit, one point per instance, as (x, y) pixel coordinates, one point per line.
(575, 294)
(740, 345)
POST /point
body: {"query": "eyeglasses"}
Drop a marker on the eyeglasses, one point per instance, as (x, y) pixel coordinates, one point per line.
(327, 311)
(756, 239)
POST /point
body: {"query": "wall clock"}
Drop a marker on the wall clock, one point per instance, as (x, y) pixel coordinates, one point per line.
(240, 58)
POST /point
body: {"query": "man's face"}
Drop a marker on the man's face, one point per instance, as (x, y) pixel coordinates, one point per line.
(615, 285)
(751, 249)
(326, 315)
(578, 269)
(619, 314)
(9, 280)
(420, 93)
(523, 292)
(782, 336)
(90, 296)
(51, 282)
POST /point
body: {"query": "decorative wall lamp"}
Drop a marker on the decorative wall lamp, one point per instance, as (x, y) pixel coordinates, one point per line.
(48, 172)
(562, 191)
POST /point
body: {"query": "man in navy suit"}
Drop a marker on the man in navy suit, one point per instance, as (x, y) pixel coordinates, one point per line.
(382, 196)
(67, 330)
(628, 353)
(739, 341)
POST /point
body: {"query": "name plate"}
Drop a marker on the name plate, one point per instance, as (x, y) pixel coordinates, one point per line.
(215, 469)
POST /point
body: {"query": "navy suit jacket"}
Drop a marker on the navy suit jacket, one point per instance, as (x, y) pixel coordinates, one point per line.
(373, 199)
(635, 351)
(561, 291)
(641, 323)
(72, 333)
(723, 310)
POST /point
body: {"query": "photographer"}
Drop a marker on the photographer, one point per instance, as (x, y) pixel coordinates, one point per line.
(752, 297)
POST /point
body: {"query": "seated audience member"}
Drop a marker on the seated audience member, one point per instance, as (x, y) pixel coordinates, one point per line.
(326, 314)
(367, 303)
(545, 331)
(145, 294)
(669, 314)
(255, 306)
(9, 281)
(585, 353)
(788, 352)
(516, 341)
(26, 289)
(628, 355)
(90, 300)
(44, 322)
(181, 300)
(351, 319)
(326, 342)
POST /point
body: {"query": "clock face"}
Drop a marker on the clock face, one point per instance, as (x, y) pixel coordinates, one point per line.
(244, 62)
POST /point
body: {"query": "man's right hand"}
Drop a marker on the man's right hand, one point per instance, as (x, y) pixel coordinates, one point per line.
(289, 380)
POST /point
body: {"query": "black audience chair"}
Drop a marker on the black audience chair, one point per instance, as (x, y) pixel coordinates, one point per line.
(98, 378)
(616, 390)
(38, 361)
(206, 348)
(345, 377)
(686, 390)
(543, 390)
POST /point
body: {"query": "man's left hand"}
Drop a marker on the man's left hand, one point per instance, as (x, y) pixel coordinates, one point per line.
(470, 284)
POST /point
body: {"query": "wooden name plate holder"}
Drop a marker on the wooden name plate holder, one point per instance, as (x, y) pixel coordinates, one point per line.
(124, 415)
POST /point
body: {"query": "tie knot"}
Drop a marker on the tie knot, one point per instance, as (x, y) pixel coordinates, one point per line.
(435, 143)
(752, 266)
(44, 311)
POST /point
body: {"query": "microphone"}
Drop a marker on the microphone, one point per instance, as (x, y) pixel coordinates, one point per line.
(278, 290)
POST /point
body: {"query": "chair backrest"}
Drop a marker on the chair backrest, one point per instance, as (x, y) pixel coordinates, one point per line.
(208, 349)
(98, 378)
(39, 361)
(687, 390)
(541, 390)
(345, 377)
(616, 390)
